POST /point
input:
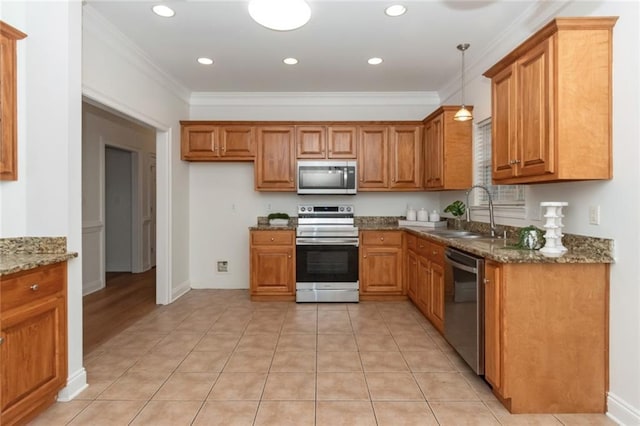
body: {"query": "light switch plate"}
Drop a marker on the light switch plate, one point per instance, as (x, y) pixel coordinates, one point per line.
(594, 215)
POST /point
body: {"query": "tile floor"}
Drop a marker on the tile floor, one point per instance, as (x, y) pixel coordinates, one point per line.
(216, 358)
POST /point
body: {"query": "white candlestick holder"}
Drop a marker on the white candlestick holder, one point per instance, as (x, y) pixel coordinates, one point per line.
(553, 237)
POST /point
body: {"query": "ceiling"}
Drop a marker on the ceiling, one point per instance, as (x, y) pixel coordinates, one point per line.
(418, 48)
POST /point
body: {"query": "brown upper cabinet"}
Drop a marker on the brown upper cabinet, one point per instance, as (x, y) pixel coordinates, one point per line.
(202, 141)
(551, 104)
(326, 142)
(390, 157)
(8, 102)
(448, 149)
(275, 160)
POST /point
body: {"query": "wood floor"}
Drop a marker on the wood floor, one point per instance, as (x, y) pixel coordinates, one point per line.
(125, 299)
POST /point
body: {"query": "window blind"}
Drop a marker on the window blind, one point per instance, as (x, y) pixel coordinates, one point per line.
(504, 195)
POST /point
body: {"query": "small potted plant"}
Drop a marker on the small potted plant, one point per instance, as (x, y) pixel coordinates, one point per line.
(457, 209)
(278, 219)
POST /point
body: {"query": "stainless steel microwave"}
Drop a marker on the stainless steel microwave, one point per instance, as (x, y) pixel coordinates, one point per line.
(327, 177)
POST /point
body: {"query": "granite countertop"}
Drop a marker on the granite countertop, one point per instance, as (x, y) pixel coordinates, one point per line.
(582, 249)
(24, 253)
(497, 249)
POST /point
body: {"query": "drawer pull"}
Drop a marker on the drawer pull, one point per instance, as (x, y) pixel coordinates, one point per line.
(1, 340)
(381, 238)
(34, 287)
(421, 246)
(435, 252)
(273, 239)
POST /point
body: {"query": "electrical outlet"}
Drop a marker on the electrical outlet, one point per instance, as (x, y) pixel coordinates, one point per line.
(594, 215)
(223, 266)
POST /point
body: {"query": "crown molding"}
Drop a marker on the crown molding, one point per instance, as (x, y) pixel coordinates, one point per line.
(95, 24)
(314, 99)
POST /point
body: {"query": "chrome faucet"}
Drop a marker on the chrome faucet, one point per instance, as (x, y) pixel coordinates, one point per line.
(492, 222)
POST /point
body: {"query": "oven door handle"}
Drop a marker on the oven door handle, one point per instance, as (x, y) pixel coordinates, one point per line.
(326, 242)
(461, 266)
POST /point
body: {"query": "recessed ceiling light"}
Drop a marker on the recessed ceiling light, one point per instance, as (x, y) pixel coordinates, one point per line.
(395, 10)
(290, 61)
(280, 15)
(374, 61)
(205, 61)
(162, 10)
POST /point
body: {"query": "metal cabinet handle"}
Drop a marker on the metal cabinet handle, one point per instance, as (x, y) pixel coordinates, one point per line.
(381, 238)
(486, 280)
(273, 239)
(421, 246)
(364, 257)
(1, 340)
(289, 256)
(34, 287)
(434, 252)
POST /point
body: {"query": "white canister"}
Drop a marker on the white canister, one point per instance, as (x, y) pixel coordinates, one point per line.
(423, 215)
(411, 213)
(434, 216)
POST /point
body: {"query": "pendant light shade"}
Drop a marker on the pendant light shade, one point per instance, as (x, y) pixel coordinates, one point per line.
(280, 15)
(463, 113)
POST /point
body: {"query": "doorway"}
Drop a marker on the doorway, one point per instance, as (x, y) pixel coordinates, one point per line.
(118, 210)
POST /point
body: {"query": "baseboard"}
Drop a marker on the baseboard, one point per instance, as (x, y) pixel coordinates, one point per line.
(92, 287)
(622, 412)
(75, 384)
(217, 286)
(180, 290)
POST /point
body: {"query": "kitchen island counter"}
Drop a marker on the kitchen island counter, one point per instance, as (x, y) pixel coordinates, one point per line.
(24, 253)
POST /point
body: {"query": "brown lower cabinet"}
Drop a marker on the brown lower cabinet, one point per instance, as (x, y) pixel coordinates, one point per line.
(546, 333)
(381, 261)
(33, 352)
(273, 263)
(425, 278)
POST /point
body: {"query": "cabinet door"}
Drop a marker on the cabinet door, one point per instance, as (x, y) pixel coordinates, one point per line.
(436, 302)
(381, 270)
(311, 142)
(237, 142)
(406, 157)
(34, 363)
(200, 142)
(503, 124)
(424, 278)
(535, 110)
(373, 162)
(492, 327)
(342, 142)
(434, 161)
(412, 276)
(275, 159)
(272, 270)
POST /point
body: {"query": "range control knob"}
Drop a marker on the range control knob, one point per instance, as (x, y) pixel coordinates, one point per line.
(348, 209)
(341, 209)
(302, 209)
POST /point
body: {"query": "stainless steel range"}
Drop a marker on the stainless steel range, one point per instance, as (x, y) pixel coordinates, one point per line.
(326, 254)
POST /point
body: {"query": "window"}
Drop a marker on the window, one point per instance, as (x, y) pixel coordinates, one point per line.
(502, 195)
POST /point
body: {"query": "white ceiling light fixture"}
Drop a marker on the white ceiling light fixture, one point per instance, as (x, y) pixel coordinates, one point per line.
(374, 61)
(205, 61)
(162, 10)
(395, 10)
(463, 113)
(280, 15)
(290, 61)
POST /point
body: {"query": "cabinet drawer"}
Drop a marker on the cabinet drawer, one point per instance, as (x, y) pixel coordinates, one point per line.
(25, 287)
(412, 242)
(422, 247)
(381, 238)
(272, 238)
(436, 253)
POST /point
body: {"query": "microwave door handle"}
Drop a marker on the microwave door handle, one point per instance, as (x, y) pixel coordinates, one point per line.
(345, 182)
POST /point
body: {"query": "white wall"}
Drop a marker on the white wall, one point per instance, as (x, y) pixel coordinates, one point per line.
(619, 199)
(46, 200)
(100, 128)
(118, 75)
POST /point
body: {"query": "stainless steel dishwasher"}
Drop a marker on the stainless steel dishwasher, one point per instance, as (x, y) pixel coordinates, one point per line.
(464, 306)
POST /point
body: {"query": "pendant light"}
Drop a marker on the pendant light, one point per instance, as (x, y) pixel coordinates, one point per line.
(280, 15)
(463, 113)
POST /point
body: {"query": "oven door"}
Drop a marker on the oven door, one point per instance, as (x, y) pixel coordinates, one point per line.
(329, 261)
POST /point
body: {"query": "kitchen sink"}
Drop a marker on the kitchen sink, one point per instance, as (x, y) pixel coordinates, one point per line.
(452, 233)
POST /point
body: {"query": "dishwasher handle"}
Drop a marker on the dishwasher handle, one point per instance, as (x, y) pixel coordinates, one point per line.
(460, 265)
